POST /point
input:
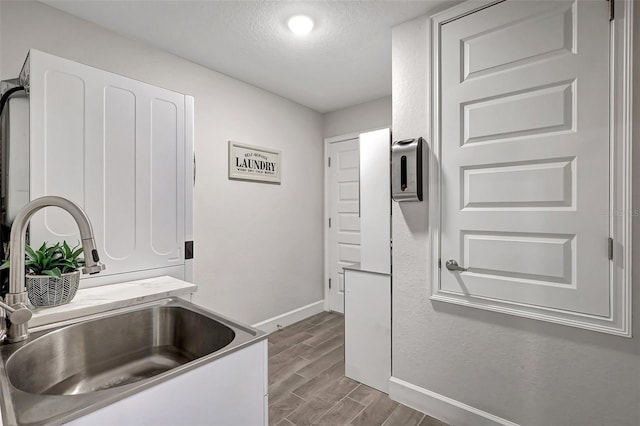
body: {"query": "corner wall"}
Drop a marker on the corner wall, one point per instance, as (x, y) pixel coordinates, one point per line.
(521, 370)
(358, 118)
(258, 247)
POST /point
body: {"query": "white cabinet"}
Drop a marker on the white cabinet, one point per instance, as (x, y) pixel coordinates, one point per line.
(229, 391)
(367, 319)
(367, 304)
(119, 148)
(375, 201)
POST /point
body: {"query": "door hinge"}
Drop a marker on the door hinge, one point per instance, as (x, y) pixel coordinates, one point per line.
(612, 9)
(329, 283)
(329, 162)
(439, 263)
(610, 248)
(329, 222)
(188, 250)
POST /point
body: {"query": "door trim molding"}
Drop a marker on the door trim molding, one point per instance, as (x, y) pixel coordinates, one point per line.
(621, 207)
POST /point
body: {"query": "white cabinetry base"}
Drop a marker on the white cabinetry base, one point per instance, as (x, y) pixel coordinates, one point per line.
(367, 319)
(229, 391)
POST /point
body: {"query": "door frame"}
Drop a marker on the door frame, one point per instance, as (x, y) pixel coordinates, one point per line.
(327, 203)
(621, 167)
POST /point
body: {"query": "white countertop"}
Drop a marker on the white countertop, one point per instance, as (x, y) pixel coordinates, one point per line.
(94, 300)
(357, 267)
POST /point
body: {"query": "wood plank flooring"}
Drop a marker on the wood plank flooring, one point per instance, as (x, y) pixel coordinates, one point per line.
(307, 385)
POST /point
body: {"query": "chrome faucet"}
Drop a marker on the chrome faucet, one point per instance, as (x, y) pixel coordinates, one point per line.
(16, 318)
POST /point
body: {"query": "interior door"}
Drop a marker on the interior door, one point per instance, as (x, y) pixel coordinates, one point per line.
(525, 155)
(344, 230)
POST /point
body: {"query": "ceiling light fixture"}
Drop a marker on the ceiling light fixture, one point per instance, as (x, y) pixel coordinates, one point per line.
(300, 25)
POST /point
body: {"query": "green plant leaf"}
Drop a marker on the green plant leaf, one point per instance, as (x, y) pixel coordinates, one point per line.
(6, 265)
(49, 251)
(30, 252)
(66, 266)
(55, 272)
(31, 263)
(67, 250)
(40, 256)
(76, 251)
(52, 260)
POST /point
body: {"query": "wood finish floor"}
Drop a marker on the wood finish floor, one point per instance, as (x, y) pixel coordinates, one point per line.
(307, 385)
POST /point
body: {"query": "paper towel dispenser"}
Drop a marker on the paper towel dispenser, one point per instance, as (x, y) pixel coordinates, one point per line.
(406, 170)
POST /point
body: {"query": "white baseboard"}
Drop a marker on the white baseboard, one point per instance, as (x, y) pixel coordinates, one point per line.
(288, 318)
(441, 407)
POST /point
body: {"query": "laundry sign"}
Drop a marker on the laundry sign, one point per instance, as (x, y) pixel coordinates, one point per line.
(248, 162)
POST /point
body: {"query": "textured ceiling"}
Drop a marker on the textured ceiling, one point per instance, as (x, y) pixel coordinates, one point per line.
(346, 60)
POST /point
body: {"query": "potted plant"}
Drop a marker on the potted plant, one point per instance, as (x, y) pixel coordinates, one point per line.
(52, 273)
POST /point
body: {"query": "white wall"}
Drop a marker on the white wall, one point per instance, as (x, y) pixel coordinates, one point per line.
(525, 371)
(366, 116)
(258, 247)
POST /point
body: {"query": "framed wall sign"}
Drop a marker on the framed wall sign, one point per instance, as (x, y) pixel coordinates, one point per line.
(248, 162)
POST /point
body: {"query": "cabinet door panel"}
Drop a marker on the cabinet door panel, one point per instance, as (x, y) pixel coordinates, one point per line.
(165, 180)
(63, 148)
(115, 146)
(119, 194)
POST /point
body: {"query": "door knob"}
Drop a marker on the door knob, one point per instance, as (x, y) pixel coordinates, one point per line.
(452, 265)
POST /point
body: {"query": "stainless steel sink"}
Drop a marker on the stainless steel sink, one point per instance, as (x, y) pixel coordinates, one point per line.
(67, 371)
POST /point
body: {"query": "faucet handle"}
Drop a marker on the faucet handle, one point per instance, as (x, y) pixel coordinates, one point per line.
(18, 314)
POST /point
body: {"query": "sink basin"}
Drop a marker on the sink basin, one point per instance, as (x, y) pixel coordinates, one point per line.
(65, 371)
(115, 351)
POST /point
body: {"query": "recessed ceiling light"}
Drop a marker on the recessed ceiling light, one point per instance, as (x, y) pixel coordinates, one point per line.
(300, 24)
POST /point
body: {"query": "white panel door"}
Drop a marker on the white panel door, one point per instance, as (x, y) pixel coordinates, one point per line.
(344, 233)
(116, 147)
(525, 155)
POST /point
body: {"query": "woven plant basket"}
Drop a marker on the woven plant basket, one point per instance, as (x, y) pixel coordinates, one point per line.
(51, 291)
